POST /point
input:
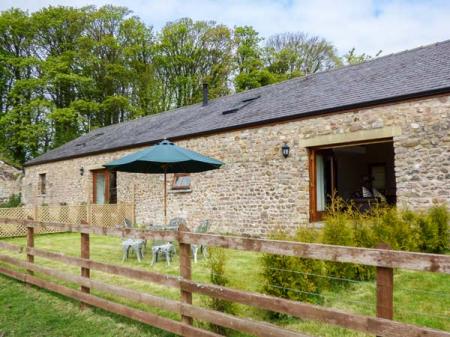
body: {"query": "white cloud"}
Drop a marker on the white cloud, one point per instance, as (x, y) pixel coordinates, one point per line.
(368, 25)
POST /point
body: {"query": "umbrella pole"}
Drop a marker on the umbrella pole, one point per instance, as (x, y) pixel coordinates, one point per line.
(165, 196)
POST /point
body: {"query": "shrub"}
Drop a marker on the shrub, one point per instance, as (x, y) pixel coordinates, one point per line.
(291, 277)
(394, 227)
(433, 229)
(346, 229)
(14, 200)
(216, 262)
(345, 225)
(440, 219)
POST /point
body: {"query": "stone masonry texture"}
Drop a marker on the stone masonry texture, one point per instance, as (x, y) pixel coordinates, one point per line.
(258, 190)
(10, 181)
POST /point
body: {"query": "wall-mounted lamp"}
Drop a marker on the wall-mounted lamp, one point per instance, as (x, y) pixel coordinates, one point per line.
(285, 150)
(82, 171)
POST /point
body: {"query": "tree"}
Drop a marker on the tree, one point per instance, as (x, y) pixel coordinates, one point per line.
(57, 32)
(251, 72)
(23, 101)
(189, 53)
(352, 58)
(298, 54)
(65, 71)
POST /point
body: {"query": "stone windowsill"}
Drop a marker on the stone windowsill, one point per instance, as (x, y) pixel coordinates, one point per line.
(180, 191)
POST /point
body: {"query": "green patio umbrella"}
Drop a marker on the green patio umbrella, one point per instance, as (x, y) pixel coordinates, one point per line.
(164, 157)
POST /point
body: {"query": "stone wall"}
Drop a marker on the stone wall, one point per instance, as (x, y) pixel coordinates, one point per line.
(257, 189)
(10, 181)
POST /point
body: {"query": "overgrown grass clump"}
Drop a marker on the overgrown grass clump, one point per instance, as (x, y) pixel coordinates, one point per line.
(344, 225)
(217, 260)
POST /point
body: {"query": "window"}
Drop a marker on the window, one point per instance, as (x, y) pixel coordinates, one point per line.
(42, 183)
(104, 187)
(181, 181)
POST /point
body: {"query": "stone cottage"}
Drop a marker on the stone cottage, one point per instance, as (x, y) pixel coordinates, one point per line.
(10, 181)
(376, 130)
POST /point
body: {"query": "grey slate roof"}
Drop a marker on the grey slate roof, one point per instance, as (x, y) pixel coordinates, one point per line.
(413, 73)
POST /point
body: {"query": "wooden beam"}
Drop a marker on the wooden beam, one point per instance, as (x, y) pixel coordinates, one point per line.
(300, 310)
(256, 328)
(186, 273)
(120, 309)
(160, 302)
(142, 275)
(85, 254)
(367, 324)
(30, 244)
(11, 247)
(385, 290)
(366, 256)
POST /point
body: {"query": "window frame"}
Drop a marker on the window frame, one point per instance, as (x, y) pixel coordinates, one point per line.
(183, 187)
(110, 177)
(314, 214)
(42, 183)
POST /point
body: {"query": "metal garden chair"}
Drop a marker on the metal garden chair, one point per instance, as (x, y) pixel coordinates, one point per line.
(202, 228)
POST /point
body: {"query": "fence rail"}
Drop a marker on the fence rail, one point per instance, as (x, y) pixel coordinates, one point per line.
(383, 259)
(107, 215)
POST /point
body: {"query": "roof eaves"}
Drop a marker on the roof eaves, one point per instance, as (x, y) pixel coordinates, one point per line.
(343, 108)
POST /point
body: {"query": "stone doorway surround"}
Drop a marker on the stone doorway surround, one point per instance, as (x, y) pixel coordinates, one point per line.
(340, 140)
(351, 137)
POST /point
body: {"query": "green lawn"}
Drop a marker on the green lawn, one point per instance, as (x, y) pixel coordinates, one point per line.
(420, 298)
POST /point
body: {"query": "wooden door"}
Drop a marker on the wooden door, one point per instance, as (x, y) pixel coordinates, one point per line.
(101, 183)
(322, 181)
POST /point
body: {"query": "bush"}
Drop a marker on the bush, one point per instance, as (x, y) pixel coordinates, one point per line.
(14, 200)
(440, 217)
(216, 262)
(433, 228)
(394, 227)
(344, 225)
(291, 277)
(347, 228)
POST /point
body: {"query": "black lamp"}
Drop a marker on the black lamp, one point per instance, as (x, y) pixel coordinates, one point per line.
(285, 150)
(81, 171)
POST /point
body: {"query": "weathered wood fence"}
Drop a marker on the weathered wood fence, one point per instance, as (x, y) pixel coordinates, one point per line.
(106, 215)
(385, 261)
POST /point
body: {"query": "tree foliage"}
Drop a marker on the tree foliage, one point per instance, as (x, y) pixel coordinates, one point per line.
(65, 70)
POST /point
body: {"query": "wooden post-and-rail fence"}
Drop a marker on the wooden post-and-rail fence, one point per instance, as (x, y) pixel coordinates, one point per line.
(384, 260)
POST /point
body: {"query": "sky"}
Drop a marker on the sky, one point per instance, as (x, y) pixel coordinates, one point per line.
(367, 25)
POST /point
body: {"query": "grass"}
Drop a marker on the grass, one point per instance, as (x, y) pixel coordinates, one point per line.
(420, 298)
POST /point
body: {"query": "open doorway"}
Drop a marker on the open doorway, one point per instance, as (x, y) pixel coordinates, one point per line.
(361, 173)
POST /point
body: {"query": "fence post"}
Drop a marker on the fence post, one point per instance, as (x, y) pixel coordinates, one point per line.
(385, 289)
(30, 244)
(85, 272)
(185, 271)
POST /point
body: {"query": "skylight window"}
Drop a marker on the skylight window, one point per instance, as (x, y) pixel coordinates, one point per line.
(87, 139)
(241, 104)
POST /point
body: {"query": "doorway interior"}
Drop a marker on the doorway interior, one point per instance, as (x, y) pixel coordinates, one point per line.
(360, 173)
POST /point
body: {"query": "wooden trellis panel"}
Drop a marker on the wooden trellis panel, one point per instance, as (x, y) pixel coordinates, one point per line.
(20, 213)
(108, 215)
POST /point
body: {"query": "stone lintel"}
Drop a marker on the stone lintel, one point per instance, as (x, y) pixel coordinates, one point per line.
(349, 137)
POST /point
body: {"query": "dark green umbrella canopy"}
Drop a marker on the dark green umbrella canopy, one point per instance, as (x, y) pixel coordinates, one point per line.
(165, 157)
